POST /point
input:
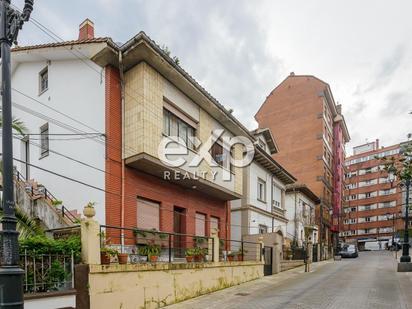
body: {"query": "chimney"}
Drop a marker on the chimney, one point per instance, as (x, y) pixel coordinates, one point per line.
(292, 73)
(377, 143)
(339, 109)
(86, 30)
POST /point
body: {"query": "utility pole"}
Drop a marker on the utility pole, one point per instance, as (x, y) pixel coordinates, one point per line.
(11, 276)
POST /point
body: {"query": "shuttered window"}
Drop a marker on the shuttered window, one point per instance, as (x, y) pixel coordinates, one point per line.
(200, 224)
(148, 214)
(214, 223)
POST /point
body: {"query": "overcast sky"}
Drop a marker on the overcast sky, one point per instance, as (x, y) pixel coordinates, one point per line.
(240, 50)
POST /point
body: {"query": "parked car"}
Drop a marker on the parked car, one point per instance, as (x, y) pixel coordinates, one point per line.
(349, 251)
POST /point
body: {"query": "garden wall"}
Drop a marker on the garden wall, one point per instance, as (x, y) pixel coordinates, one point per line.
(156, 285)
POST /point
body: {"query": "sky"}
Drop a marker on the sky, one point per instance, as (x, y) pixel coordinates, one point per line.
(240, 50)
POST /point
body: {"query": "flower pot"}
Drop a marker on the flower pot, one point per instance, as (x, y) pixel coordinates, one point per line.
(104, 258)
(122, 257)
(153, 258)
(230, 258)
(189, 259)
(198, 258)
(240, 257)
(89, 212)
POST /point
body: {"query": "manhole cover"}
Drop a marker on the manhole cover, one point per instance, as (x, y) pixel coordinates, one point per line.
(242, 294)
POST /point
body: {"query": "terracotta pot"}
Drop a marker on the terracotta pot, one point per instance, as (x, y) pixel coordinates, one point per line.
(240, 257)
(104, 258)
(189, 259)
(122, 257)
(153, 258)
(198, 258)
(230, 258)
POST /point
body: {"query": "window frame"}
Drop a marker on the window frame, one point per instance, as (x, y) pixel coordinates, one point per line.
(260, 181)
(44, 71)
(44, 138)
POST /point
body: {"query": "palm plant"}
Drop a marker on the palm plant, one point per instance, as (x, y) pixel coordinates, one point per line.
(26, 225)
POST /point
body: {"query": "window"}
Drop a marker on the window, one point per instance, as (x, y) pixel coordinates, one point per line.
(367, 219)
(261, 190)
(44, 140)
(368, 194)
(148, 214)
(353, 209)
(200, 224)
(217, 153)
(214, 224)
(44, 80)
(277, 196)
(175, 127)
(263, 229)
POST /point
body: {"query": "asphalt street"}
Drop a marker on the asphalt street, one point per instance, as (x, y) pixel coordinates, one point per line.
(370, 281)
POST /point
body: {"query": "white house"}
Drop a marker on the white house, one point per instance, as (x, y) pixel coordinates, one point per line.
(58, 92)
(262, 208)
(300, 212)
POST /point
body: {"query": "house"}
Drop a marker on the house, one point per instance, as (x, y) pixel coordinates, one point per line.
(102, 122)
(300, 207)
(262, 208)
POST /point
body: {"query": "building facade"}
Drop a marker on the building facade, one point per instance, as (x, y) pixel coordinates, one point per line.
(300, 208)
(96, 113)
(311, 133)
(262, 207)
(373, 201)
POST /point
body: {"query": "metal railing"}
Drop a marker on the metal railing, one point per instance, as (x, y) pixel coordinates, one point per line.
(144, 246)
(47, 272)
(235, 250)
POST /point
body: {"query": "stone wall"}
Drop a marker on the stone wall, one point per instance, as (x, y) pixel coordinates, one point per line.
(154, 286)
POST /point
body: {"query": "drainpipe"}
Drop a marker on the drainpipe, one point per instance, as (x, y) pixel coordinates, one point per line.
(271, 202)
(296, 215)
(122, 89)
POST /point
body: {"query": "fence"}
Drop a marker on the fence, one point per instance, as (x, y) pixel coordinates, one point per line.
(154, 246)
(235, 250)
(47, 272)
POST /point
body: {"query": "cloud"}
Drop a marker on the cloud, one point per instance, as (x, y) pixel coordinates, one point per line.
(397, 103)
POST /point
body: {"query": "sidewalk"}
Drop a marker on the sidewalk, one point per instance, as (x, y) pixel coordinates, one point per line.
(248, 288)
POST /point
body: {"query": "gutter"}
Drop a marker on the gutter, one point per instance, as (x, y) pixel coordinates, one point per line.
(122, 91)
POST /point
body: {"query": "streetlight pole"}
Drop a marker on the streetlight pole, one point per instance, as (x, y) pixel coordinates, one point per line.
(405, 246)
(11, 276)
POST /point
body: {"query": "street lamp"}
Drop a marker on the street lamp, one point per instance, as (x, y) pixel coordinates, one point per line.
(11, 276)
(405, 246)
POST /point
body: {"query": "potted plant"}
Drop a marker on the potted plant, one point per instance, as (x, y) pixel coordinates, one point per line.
(241, 254)
(151, 250)
(199, 254)
(105, 254)
(89, 210)
(122, 257)
(231, 256)
(190, 253)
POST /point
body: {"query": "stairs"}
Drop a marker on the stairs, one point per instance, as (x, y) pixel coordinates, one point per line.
(36, 202)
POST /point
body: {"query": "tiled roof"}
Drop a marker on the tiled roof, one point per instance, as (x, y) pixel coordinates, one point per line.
(59, 44)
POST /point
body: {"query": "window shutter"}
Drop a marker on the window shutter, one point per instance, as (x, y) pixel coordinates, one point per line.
(148, 214)
(214, 223)
(200, 225)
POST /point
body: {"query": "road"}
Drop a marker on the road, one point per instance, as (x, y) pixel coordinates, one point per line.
(370, 281)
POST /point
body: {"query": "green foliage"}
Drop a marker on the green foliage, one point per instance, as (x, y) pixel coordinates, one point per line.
(41, 244)
(57, 273)
(400, 166)
(17, 126)
(196, 251)
(26, 226)
(109, 251)
(150, 249)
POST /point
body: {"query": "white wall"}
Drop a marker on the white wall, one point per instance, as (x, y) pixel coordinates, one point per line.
(77, 90)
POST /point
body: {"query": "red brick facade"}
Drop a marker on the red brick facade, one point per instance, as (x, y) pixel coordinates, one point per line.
(140, 185)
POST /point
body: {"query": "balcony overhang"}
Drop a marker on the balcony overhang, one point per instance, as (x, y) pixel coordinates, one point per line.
(153, 166)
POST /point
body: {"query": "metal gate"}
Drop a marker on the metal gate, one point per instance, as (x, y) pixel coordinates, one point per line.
(268, 254)
(315, 253)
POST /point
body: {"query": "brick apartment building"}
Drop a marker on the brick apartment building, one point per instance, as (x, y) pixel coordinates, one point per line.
(373, 202)
(311, 133)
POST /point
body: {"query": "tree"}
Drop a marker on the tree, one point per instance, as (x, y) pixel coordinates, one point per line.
(401, 167)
